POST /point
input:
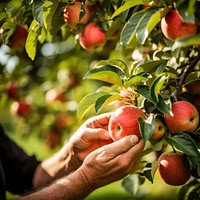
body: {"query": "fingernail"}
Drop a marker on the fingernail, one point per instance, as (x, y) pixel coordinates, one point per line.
(134, 139)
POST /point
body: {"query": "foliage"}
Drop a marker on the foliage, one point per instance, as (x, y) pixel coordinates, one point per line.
(140, 61)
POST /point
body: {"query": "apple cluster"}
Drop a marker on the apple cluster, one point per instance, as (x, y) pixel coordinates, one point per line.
(184, 118)
(91, 35)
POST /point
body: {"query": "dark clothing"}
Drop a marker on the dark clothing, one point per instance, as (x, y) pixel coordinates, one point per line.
(16, 167)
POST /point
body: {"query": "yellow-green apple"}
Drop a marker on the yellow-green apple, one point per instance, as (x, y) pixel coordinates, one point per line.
(12, 91)
(18, 39)
(159, 131)
(20, 108)
(72, 14)
(185, 117)
(124, 121)
(53, 95)
(92, 37)
(173, 26)
(172, 168)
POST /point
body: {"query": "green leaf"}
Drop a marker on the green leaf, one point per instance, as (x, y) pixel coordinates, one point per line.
(144, 90)
(14, 6)
(31, 41)
(131, 184)
(147, 126)
(115, 63)
(186, 42)
(8, 30)
(49, 9)
(107, 74)
(153, 66)
(150, 170)
(135, 79)
(156, 87)
(38, 12)
(192, 76)
(105, 100)
(140, 25)
(164, 105)
(183, 142)
(88, 103)
(127, 5)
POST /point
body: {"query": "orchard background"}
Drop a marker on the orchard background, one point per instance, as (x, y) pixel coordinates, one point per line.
(63, 72)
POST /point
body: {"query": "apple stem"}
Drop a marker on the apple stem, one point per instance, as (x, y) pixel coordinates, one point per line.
(183, 76)
(174, 150)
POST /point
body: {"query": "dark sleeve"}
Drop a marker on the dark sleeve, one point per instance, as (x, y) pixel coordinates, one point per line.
(18, 166)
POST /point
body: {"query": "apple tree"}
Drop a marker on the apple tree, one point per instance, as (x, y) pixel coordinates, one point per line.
(142, 53)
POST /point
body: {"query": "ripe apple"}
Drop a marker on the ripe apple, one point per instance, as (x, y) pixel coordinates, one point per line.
(62, 121)
(72, 14)
(92, 37)
(12, 91)
(193, 88)
(18, 38)
(196, 100)
(159, 132)
(54, 95)
(172, 169)
(173, 26)
(93, 8)
(124, 121)
(185, 117)
(20, 108)
(53, 139)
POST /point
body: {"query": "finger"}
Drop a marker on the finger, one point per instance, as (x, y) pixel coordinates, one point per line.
(117, 148)
(95, 134)
(100, 121)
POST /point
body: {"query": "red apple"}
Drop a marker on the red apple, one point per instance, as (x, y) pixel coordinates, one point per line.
(21, 108)
(185, 117)
(72, 14)
(124, 121)
(196, 99)
(53, 139)
(193, 88)
(62, 121)
(92, 37)
(159, 132)
(18, 38)
(12, 90)
(173, 26)
(54, 95)
(93, 8)
(172, 169)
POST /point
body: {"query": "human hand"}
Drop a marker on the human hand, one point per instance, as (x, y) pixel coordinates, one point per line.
(111, 162)
(92, 135)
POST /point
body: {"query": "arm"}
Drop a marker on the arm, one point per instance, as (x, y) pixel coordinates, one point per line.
(103, 166)
(90, 136)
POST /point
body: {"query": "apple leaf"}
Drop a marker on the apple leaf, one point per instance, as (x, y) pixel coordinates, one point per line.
(147, 126)
(106, 73)
(140, 25)
(183, 142)
(135, 79)
(156, 66)
(127, 5)
(144, 90)
(164, 105)
(186, 42)
(88, 103)
(13, 7)
(49, 9)
(192, 76)
(189, 190)
(150, 170)
(131, 183)
(115, 63)
(31, 41)
(9, 29)
(105, 100)
(38, 12)
(156, 86)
